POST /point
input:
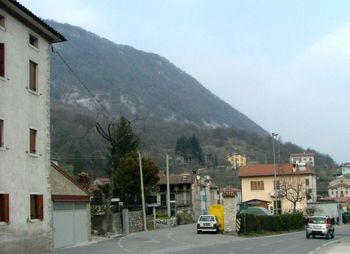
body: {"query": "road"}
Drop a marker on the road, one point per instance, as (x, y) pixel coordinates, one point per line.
(183, 239)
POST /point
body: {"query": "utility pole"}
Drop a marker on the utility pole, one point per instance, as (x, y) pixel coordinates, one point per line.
(142, 195)
(167, 186)
(274, 170)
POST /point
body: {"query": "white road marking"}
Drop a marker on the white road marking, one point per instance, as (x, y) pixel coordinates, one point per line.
(170, 237)
(152, 241)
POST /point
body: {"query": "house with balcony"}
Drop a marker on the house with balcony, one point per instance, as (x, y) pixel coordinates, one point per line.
(303, 158)
(189, 193)
(25, 197)
(265, 185)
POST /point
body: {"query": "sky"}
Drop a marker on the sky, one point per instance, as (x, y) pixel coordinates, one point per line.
(284, 64)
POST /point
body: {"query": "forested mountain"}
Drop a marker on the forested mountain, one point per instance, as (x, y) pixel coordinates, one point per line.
(96, 80)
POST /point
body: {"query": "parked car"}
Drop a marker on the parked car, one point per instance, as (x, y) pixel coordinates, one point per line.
(256, 211)
(208, 223)
(320, 226)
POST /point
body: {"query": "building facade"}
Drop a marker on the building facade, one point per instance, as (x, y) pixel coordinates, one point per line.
(191, 194)
(25, 198)
(258, 183)
(339, 187)
(237, 160)
(307, 158)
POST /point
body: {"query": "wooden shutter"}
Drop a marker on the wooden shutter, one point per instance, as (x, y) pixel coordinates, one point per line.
(2, 59)
(32, 141)
(32, 76)
(5, 210)
(40, 207)
(1, 133)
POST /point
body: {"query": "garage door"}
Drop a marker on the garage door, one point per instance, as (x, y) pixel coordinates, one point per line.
(70, 221)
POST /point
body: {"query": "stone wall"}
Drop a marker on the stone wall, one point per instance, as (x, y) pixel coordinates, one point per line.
(230, 212)
(98, 223)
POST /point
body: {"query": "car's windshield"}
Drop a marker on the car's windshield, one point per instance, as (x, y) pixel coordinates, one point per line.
(206, 218)
(317, 220)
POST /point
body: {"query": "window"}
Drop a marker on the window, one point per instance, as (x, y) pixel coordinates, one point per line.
(2, 21)
(33, 41)
(276, 185)
(36, 207)
(257, 185)
(33, 76)
(4, 208)
(2, 59)
(277, 206)
(307, 182)
(1, 133)
(32, 141)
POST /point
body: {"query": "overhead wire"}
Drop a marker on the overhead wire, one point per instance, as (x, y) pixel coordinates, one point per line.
(107, 114)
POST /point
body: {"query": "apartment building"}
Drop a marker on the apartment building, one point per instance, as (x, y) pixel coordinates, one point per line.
(25, 198)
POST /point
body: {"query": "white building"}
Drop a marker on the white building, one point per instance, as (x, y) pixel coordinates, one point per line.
(25, 198)
(307, 158)
(339, 187)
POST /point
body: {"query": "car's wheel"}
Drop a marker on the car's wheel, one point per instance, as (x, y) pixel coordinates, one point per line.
(307, 236)
(198, 231)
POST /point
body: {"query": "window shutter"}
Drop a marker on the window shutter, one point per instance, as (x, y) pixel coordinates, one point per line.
(40, 207)
(2, 59)
(1, 133)
(6, 208)
(32, 141)
(32, 76)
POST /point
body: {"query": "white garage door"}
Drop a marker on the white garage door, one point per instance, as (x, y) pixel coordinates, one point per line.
(70, 222)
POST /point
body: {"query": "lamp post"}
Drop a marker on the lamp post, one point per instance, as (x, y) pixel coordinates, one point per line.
(274, 172)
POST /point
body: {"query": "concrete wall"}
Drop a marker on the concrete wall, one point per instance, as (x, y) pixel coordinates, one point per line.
(22, 173)
(60, 185)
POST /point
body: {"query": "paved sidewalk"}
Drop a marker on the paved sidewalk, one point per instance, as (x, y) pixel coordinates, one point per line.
(341, 246)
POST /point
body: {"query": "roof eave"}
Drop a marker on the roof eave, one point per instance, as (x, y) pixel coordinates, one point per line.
(32, 21)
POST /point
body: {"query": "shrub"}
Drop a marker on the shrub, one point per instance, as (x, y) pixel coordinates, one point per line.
(276, 223)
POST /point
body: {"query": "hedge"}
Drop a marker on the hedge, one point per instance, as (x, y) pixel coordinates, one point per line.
(276, 223)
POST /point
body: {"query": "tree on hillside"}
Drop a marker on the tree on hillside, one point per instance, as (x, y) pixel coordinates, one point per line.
(292, 189)
(189, 148)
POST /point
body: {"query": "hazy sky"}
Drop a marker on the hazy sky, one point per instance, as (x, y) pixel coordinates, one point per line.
(285, 64)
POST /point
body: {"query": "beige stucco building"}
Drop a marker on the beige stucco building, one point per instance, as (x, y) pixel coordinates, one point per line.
(25, 199)
(257, 182)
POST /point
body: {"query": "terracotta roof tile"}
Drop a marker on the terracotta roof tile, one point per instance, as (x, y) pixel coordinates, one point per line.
(268, 170)
(176, 179)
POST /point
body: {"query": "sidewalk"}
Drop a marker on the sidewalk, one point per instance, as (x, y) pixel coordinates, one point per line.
(341, 246)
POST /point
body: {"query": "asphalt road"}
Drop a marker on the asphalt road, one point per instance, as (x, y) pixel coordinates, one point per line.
(183, 239)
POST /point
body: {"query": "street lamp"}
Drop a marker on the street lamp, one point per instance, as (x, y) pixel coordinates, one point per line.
(274, 170)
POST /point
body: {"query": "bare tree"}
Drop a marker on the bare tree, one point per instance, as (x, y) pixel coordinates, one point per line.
(292, 189)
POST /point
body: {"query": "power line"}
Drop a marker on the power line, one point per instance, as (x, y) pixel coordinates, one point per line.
(96, 101)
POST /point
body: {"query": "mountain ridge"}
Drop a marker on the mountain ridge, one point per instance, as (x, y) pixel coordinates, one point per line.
(134, 82)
